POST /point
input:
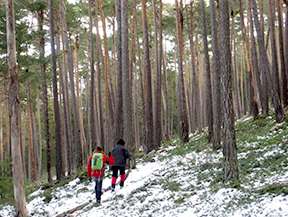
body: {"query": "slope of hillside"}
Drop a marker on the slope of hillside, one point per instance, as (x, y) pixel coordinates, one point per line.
(186, 180)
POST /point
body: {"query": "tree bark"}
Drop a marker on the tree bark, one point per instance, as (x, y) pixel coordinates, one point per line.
(274, 65)
(252, 96)
(254, 61)
(14, 113)
(58, 135)
(216, 80)
(208, 75)
(230, 162)
(182, 110)
(147, 68)
(284, 85)
(118, 129)
(126, 80)
(264, 60)
(158, 104)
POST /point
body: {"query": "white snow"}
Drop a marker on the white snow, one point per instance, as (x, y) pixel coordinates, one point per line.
(148, 191)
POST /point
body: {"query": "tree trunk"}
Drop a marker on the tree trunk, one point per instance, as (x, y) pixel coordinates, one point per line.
(147, 68)
(92, 85)
(266, 66)
(284, 85)
(254, 60)
(8, 133)
(252, 96)
(14, 113)
(158, 106)
(1, 131)
(230, 162)
(192, 50)
(57, 119)
(286, 41)
(216, 80)
(118, 129)
(208, 75)
(30, 130)
(182, 110)
(126, 80)
(40, 136)
(99, 89)
(274, 67)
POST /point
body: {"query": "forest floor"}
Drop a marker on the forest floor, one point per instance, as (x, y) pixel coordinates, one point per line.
(186, 180)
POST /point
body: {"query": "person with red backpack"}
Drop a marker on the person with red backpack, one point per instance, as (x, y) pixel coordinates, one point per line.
(95, 169)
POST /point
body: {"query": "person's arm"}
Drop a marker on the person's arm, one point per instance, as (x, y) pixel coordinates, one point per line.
(127, 154)
(89, 169)
(109, 159)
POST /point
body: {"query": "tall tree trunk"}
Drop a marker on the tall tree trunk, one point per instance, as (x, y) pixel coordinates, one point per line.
(264, 60)
(183, 120)
(126, 80)
(77, 141)
(284, 89)
(105, 69)
(252, 96)
(1, 131)
(190, 24)
(99, 89)
(57, 119)
(67, 155)
(254, 60)
(92, 85)
(40, 18)
(30, 130)
(264, 77)
(134, 83)
(66, 107)
(158, 106)
(230, 162)
(14, 113)
(142, 80)
(286, 41)
(8, 127)
(216, 80)
(40, 136)
(147, 67)
(118, 129)
(274, 65)
(208, 75)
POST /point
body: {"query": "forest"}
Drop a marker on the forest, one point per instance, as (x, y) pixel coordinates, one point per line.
(75, 75)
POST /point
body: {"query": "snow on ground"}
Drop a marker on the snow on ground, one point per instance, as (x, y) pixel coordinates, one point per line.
(169, 187)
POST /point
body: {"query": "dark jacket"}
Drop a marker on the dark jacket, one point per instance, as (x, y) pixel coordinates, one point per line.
(120, 154)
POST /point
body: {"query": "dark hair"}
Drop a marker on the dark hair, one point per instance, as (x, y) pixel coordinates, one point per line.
(98, 148)
(121, 142)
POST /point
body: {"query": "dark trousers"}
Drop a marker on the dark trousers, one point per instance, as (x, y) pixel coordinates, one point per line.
(115, 175)
(98, 188)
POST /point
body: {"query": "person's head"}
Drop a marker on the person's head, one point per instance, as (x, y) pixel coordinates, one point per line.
(121, 142)
(98, 148)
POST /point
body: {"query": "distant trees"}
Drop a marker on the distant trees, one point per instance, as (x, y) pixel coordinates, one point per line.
(139, 80)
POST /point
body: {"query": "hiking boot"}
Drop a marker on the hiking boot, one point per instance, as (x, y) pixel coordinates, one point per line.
(112, 189)
(121, 187)
(98, 201)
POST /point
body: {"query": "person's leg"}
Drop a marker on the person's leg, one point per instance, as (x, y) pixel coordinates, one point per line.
(98, 189)
(114, 177)
(122, 176)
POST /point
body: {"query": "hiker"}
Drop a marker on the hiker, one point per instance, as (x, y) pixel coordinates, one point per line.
(121, 154)
(95, 169)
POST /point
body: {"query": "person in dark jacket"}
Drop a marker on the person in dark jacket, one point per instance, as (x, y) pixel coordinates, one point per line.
(97, 175)
(120, 154)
